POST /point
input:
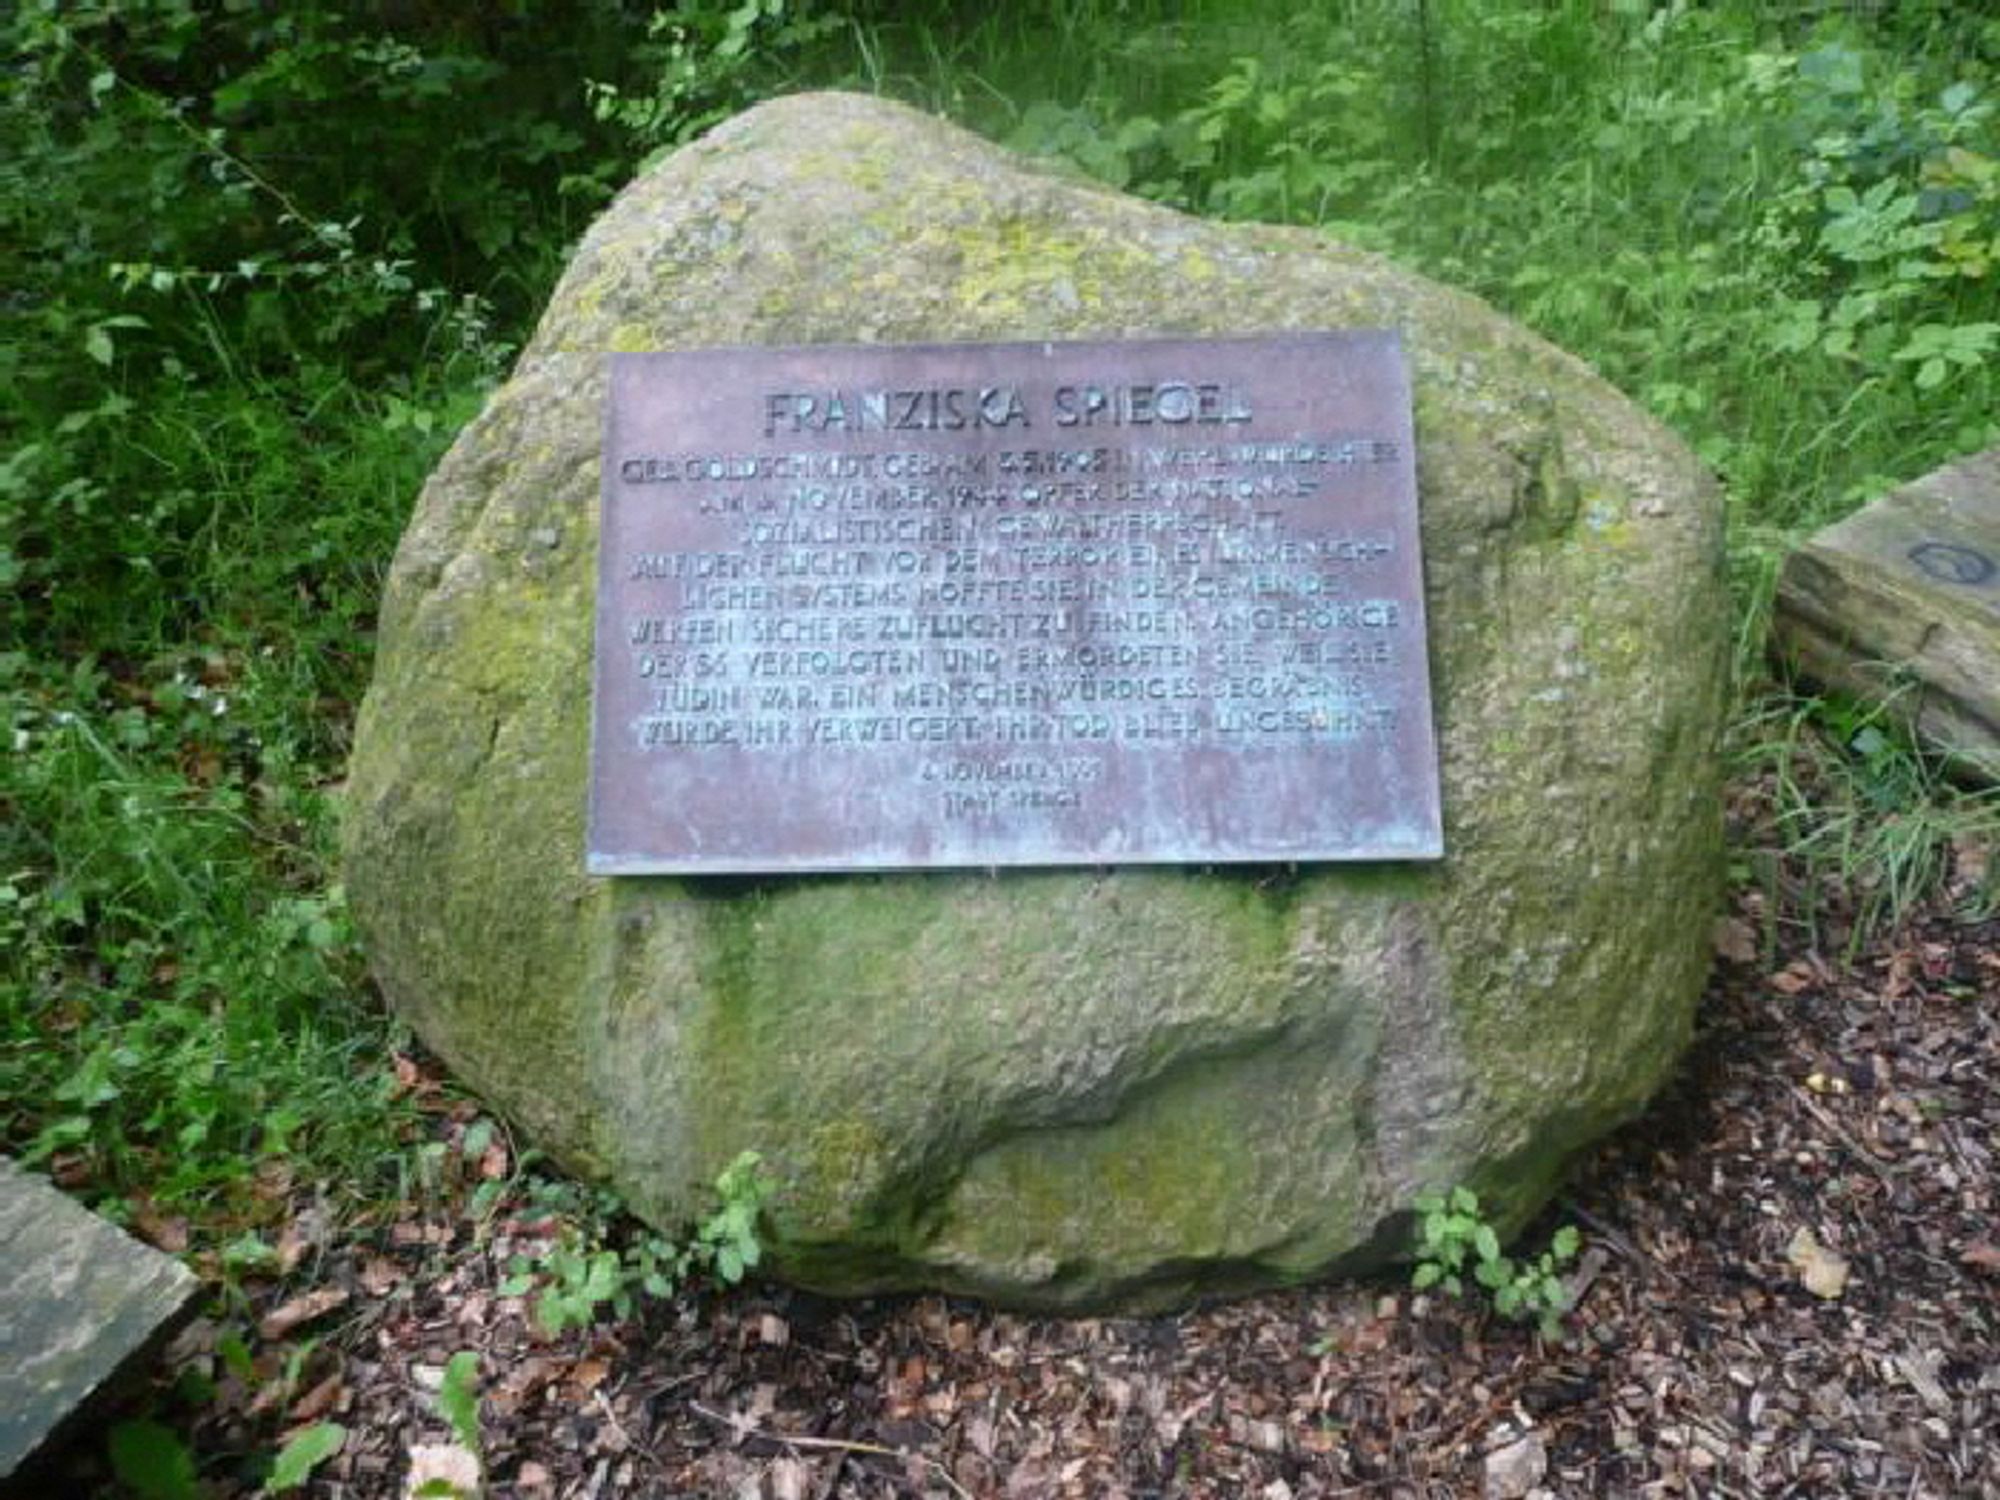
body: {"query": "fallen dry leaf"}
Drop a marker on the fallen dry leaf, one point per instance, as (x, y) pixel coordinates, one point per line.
(1972, 857)
(1981, 1255)
(409, 1077)
(1821, 1272)
(318, 1401)
(413, 1232)
(283, 1318)
(161, 1232)
(273, 1180)
(292, 1246)
(1793, 979)
(1735, 940)
(586, 1375)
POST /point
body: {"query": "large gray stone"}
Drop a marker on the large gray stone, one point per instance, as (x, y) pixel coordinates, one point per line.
(1058, 1089)
(1900, 604)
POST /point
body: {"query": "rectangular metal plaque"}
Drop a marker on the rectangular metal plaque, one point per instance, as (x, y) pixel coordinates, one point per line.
(879, 607)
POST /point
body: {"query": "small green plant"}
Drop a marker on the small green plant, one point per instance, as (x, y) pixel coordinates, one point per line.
(1455, 1240)
(726, 1243)
(306, 1451)
(581, 1274)
(458, 1398)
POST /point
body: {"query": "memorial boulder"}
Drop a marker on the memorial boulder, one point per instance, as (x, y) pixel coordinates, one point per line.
(1096, 1086)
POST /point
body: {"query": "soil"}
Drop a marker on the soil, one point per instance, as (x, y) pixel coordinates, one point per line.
(1790, 1286)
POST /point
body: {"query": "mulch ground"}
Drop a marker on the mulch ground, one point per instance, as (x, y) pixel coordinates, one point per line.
(1790, 1287)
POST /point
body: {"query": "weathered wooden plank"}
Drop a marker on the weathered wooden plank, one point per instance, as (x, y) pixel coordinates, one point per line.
(78, 1298)
(1900, 604)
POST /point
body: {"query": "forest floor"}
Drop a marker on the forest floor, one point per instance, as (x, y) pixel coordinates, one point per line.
(1790, 1286)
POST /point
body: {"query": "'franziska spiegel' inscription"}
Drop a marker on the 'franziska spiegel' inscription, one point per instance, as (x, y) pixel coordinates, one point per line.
(875, 607)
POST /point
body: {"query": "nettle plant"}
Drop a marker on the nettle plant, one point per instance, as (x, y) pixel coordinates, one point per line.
(580, 1274)
(1456, 1241)
(1891, 221)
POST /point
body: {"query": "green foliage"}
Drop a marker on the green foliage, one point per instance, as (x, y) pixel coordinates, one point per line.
(1455, 1241)
(306, 1451)
(702, 61)
(1890, 225)
(458, 1399)
(582, 1274)
(152, 1462)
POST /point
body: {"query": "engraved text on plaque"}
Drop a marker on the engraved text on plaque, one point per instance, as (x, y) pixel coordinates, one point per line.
(1020, 604)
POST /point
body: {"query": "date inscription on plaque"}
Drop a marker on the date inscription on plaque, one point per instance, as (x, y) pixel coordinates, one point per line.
(889, 607)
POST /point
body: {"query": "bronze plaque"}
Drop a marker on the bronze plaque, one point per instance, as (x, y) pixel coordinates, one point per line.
(891, 607)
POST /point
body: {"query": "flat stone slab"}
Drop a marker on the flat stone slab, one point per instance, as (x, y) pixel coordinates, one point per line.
(1900, 604)
(78, 1299)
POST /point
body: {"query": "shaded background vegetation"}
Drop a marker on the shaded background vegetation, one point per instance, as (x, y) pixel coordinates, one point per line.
(263, 261)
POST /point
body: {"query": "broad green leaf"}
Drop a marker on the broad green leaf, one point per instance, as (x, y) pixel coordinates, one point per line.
(458, 1397)
(552, 1314)
(305, 1452)
(478, 1135)
(151, 1461)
